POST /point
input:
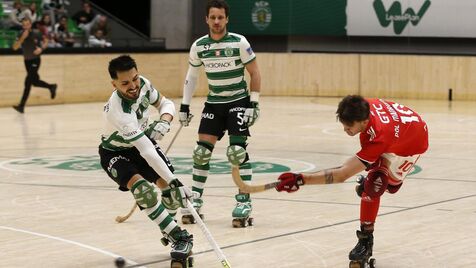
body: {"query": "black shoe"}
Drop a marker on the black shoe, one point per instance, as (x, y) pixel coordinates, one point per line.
(53, 91)
(19, 108)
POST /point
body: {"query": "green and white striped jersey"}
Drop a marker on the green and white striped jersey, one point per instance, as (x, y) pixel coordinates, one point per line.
(224, 61)
(126, 120)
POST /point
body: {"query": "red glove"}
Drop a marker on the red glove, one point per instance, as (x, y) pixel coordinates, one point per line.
(289, 182)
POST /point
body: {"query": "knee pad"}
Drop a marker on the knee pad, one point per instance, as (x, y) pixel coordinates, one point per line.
(168, 202)
(202, 153)
(236, 154)
(144, 193)
(394, 188)
(376, 182)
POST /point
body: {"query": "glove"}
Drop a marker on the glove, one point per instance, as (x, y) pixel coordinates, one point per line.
(184, 115)
(289, 182)
(179, 192)
(251, 114)
(158, 129)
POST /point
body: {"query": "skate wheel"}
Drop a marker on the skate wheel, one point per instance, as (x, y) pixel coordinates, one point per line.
(238, 223)
(188, 219)
(164, 241)
(372, 263)
(176, 264)
(250, 221)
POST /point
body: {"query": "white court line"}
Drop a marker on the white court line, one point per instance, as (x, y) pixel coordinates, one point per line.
(69, 242)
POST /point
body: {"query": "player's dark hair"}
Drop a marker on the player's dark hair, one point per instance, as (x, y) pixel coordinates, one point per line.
(218, 4)
(121, 64)
(352, 108)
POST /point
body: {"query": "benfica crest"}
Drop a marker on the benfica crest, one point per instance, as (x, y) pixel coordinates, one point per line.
(261, 15)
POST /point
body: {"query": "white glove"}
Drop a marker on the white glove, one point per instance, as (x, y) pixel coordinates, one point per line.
(158, 129)
(180, 193)
(184, 115)
(251, 114)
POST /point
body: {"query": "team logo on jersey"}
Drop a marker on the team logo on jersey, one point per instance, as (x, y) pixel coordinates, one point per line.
(228, 51)
(261, 15)
(249, 50)
(372, 134)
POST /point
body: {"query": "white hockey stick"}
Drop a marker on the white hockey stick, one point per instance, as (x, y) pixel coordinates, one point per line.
(220, 255)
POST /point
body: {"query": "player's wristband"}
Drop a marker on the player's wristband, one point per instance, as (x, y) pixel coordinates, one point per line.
(254, 96)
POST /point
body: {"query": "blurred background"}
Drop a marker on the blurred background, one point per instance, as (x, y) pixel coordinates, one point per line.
(417, 49)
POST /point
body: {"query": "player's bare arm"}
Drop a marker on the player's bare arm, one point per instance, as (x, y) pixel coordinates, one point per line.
(337, 174)
(255, 76)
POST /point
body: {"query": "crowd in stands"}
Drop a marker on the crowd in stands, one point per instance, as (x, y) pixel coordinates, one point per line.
(84, 28)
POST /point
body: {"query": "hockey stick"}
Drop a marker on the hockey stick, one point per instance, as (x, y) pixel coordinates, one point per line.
(120, 219)
(246, 188)
(220, 255)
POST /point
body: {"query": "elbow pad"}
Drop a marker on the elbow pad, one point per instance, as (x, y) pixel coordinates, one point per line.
(166, 106)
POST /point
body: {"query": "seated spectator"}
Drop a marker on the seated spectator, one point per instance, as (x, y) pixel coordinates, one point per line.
(46, 28)
(14, 21)
(86, 18)
(55, 8)
(30, 12)
(103, 25)
(62, 34)
(98, 40)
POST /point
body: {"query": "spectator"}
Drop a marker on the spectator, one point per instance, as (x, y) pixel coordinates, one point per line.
(103, 25)
(86, 18)
(46, 27)
(63, 36)
(98, 39)
(30, 12)
(55, 8)
(14, 22)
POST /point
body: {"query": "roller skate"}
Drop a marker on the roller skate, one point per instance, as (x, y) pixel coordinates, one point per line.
(182, 243)
(360, 255)
(187, 217)
(241, 213)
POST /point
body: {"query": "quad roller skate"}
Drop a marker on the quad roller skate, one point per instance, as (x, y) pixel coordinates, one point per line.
(182, 243)
(241, 213)
(360, 255)
(187, 217)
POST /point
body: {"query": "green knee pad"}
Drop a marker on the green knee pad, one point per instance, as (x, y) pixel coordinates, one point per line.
(144, 193)
(236, 152)
(168, 201)
(202, 153)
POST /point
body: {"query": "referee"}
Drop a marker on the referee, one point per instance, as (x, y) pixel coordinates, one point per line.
(32, 44)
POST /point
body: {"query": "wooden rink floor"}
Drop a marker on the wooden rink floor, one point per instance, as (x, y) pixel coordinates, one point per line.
(58, 207)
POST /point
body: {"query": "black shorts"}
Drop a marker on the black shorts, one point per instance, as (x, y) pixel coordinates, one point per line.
(122, 165)
(219, 117)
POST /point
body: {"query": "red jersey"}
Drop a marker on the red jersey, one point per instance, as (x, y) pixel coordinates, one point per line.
(392, 128)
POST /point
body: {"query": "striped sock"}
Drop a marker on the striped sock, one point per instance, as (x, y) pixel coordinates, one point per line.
(246, 172)
(159, 215)
(200, 175)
